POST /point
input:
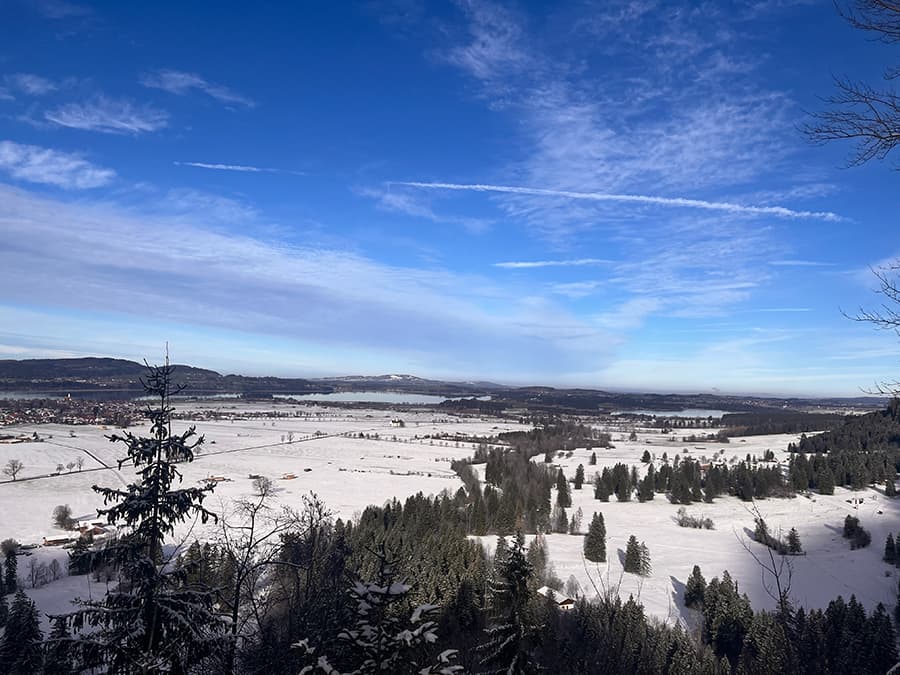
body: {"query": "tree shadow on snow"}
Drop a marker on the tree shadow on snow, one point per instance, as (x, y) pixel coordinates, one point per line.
(692, 618)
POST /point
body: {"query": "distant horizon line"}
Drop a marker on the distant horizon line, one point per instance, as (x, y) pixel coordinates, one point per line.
(472, 380)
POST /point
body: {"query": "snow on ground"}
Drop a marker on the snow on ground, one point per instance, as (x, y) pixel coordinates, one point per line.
(829, 569)
(328, 457)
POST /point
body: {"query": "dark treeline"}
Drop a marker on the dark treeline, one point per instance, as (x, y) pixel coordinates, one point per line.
(687, 480)
(778, 422)
(861, 451)
(841, 639)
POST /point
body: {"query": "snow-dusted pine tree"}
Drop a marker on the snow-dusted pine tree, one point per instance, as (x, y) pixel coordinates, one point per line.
(20, 646)
(385, 638)
(154, 620)
(507, 648)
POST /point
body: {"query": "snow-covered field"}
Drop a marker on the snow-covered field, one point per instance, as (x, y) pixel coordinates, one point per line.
(327, 456)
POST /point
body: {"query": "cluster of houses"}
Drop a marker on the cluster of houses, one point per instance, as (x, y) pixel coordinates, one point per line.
(95, 530)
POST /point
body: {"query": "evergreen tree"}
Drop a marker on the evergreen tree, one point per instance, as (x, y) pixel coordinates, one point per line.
(507, 648)
(882, 644)
(601, 487)
(538, 556)
(694, 588)
(633, 556)
(645, 458)
(153, 620)
(726, 617)
(644, 565)
(793, 542)
(595, 540)
(4, 608)
(890, 488)
(563, 497)
(579, 476)
(890, 550)
(593, 460)
(385, 638)
(57, 660)
(11, 579)
(825, 480)
(560, 520)
(20, 647)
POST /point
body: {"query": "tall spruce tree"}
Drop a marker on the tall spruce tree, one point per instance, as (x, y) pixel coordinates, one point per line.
(4, 608)
(644, 566)
(694, 588)
(563, 496)
(11, 566)
(793, 542)
(509, 632)
(579, 476)
(57, 659)
(20, 647)
(595, 540)
(890, 550)
(633, 556)
(154, 620)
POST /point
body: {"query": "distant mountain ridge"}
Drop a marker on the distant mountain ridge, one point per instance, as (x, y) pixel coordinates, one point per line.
(97, 374)
(98, 377)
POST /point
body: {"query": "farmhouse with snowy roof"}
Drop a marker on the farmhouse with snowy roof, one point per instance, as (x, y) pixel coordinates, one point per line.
(562, 601)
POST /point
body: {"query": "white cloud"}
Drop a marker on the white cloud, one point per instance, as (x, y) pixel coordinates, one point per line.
(403, 202)
(576, 289)
(799, 263)
(60, 9)
(109, 116)
(241, 168)
(675, 202)
(5, 95)
(31, 84)
(783, 309)
(181, 83)
(51, 167)
(145, 263)
(226, 167)
(528, 264)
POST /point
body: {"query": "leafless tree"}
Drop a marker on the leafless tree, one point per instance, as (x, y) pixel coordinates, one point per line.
(13, 467)
(859, 112)
(250, 535)
(776, 569)
(79, 462)
(262, 485)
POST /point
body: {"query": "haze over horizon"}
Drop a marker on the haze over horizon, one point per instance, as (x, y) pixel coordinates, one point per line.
(610, 195)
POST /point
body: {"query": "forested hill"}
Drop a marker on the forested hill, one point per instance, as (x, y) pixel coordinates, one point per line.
(877, 431)
(105, 375)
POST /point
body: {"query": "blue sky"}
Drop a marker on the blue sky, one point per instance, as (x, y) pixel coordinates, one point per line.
(609, 194)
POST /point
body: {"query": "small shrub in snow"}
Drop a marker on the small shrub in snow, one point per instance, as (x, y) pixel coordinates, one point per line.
(685, 520)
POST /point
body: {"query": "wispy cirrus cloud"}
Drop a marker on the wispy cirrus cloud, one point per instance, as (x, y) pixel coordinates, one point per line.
(31, 84)
(106, 115)
(194, 272)
(51, 167)
(676, 202)
(227, 167)
(181, 83)
(800, 263)
(240, 168)
(532, 264)
(403, 202)
(60, 9)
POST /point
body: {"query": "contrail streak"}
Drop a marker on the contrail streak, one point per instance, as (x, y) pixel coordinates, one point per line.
(682, 202)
